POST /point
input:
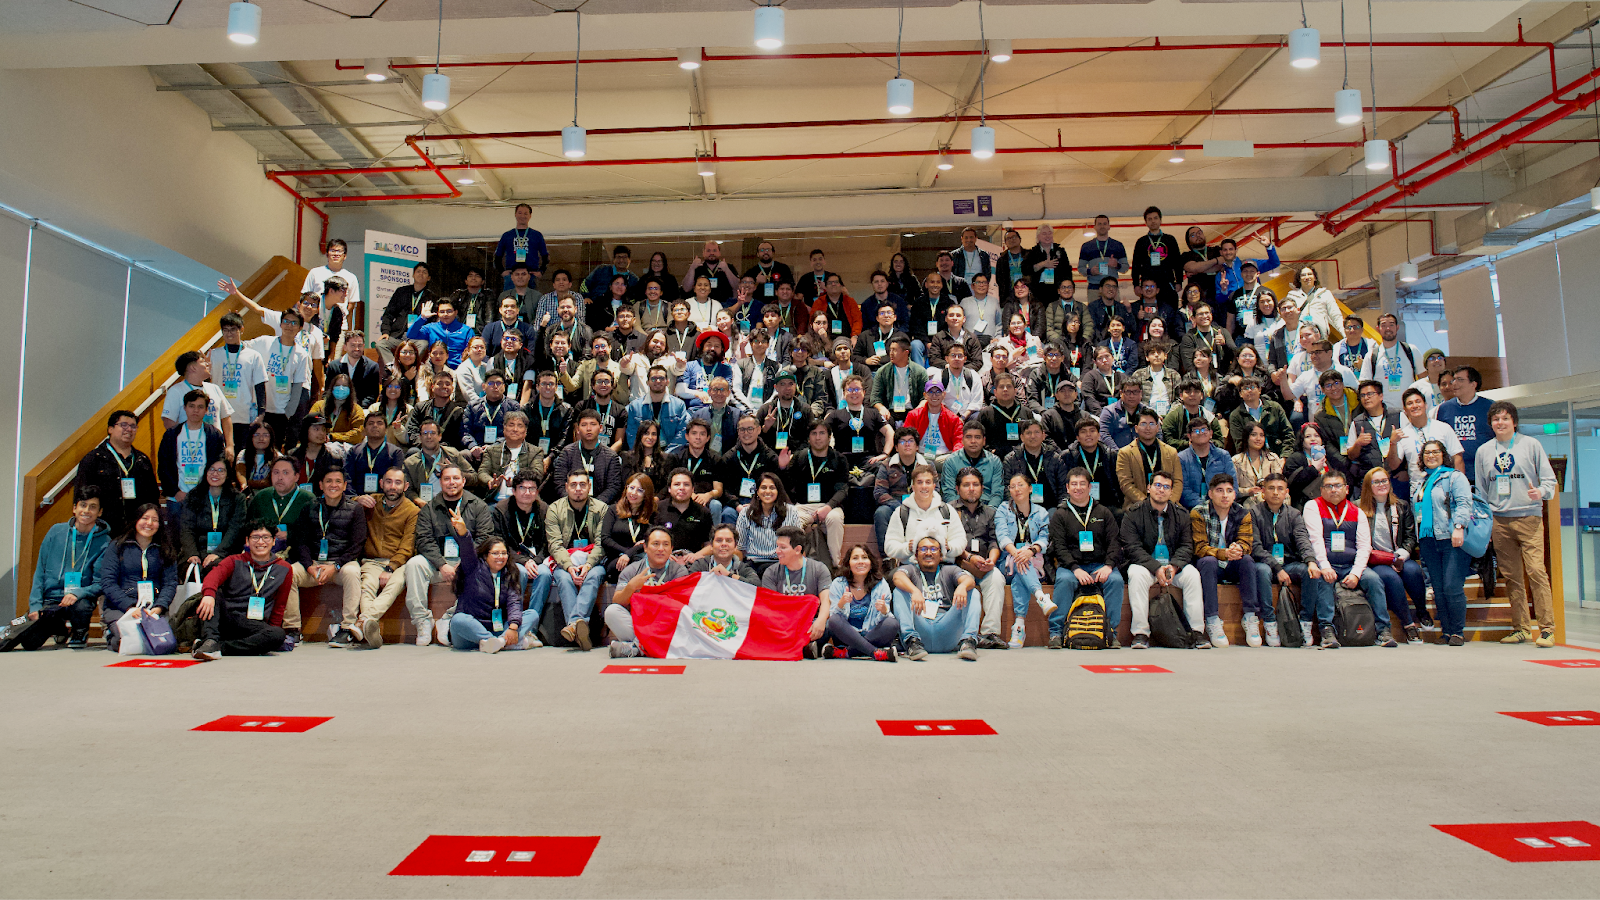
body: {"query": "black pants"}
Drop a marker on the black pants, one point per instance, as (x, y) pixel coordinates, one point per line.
(242, 637)
(54, 620)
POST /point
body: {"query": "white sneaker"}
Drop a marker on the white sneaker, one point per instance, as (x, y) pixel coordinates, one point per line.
(1252, 630)
(1046, 605)
(1019, 635)
(1308, 632)
(530, 641)
(491, 644)
(1272, 635)
(441, 628)
(333, 632)
(424, 631)
(1214, 632)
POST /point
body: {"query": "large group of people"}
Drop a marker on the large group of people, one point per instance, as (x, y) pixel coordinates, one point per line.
(630, 427)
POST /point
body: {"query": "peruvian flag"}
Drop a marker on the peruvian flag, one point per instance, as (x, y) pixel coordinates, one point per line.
(708, 616)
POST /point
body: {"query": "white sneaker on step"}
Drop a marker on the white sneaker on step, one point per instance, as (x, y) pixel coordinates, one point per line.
(1252, 630)
(1214, 632)
(424, 632)
(441, 629)
(1019, 635)
(1272, 635)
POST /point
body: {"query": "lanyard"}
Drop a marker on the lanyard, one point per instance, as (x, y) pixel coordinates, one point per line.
(372, 460)
(496, 590)
(633, 530)
(753, 463)
(1338, 521)
(544, 418)
(1152, 461)
(1083, 520)
(322, 518)
(581, 523)
(786, 423)
(144, 564)
(811, 463)
(72, 545)
(1010, 416)
(692, 463)
(1033, 468)
(786, 571)
(1022, 524)
(522, 527)
(1094, 467)
(189, 437)
(278, 513)
(256, 586)
(214, 513)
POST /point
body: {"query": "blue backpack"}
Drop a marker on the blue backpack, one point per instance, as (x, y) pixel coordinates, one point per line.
(1479, 528)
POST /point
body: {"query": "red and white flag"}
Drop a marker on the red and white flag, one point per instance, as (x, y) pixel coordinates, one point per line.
(706, 616)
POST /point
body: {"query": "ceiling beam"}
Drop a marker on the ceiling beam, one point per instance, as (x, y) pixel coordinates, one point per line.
(488, 181)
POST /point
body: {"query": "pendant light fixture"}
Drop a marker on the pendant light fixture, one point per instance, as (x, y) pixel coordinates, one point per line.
(1375, 150)
(1305, 44)
(769, 26)
(376, 70)
(1346, 100)
(982, 139)
(574, 140)
(436, 87)
(999, 50)
(690, 58)
(705, 165)
(902, 91)
(244, 22)
(945, 163)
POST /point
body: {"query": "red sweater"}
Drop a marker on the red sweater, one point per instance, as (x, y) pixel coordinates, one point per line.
(949, 425)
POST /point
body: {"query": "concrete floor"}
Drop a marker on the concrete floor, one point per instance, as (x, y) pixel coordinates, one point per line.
(1283, 773)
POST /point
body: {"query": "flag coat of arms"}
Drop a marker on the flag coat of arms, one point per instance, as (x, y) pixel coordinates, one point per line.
(707, 616)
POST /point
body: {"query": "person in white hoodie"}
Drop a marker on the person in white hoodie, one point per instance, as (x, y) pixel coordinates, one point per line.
(1514, 474)
(923, 514)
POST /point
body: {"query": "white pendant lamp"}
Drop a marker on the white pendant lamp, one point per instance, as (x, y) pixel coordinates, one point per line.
(1347, 106)
(1000, 50)
(376, 70)
(574, 142)
(1377, 155)
(1408, 272)
(690, 58)
(244, 23)
(901, 94)
(435, 91)
(945, 164)
(1177, 155)
(769, 27)
(982, 141)
(704, 166)
(1305, 48)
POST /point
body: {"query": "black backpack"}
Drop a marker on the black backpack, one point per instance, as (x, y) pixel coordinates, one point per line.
(1289, 633)
(1168, 627)
(1353, 622)
(1086, 621)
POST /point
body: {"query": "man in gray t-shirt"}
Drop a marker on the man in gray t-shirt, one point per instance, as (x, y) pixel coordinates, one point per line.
(798, 576)
(656, 567)
(932, 602)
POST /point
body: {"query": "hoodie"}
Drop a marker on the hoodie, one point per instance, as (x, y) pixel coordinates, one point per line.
(62, 546)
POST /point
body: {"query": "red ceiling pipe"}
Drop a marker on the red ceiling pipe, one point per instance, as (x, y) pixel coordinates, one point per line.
(1455, 116)
(429, 166)
(301, 202)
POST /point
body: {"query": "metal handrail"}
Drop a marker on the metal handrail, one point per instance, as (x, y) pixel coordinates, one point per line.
(49, 497)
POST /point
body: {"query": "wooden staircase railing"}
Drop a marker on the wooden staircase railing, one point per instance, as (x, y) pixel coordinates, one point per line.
(47, 487)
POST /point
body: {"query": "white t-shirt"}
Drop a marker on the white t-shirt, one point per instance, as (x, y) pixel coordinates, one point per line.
(238, 374)
(1429, 391)
(1307, 384)
(310, 340)
(218, 409)
(1392, 369)
(279, 360)
(319, 276)
(191, 457)
(1411, 442)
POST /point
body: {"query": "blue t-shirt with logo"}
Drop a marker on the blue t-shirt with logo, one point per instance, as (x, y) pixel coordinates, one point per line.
(1470, 422)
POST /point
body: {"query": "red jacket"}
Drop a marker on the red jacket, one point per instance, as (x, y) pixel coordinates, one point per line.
(852, 311)
(949, 425)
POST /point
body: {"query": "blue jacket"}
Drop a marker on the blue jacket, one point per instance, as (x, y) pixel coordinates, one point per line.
(1451, 502)
(674, 419)
(61, 544)
(355, 464)
(1229, 279)
(1005, 526)
(1196, 482)
(119, 574)
(1114, 426)
(456, 336)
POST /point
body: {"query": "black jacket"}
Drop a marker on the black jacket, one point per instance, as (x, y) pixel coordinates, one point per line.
(197, 524)
(365, 376)
(449, 419)
(1290, 532)
(433, 525)
(524, 535)
(101, 467)
(404, 303)
(607, 476)
(1052, 473)
(691, 528)
(1138, 537)
(1064, 528)
(1102, 469)
(832, 473)
(345, 527)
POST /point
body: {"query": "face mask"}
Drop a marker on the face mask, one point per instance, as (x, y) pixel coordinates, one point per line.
(341, 393)
(1316, 453)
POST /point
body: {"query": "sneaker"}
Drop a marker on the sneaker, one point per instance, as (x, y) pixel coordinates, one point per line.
(62, 639)
(1426, 622)
(1055, 642)
(1045, 604)
(293, 634)
(1019, 635)
(1386, 638)
(342, 640)
(1140, 642)
(1252, 630)
(580, 630)
(838, 653)
(530, 641)
(991, 641)
(441, 630)
(491, 644)
(333, 632)
(424, 631)
(812, 650)
(1520, 636)
(624, 650)
(288, 644)
(1214, 632)
(570, 632)
(1457, 640)
(915, 651)
(371, 632)
(1547, 638)
(1413, 634)
(208, 650)
(1198, 641)
(967, 650)
(1308, 634)
(887, 654)
(1329, 641)
(1112, 643)
(78, 640)
(358, 631)
(1272, 634)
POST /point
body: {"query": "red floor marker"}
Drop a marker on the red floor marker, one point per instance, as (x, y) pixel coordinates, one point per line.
(932, 727)
(1532, 841)
(642, 670)
(1569, 663)
(1559, 717)
(536, 857)
(154, 664)
(264, 723)
(1128, 670)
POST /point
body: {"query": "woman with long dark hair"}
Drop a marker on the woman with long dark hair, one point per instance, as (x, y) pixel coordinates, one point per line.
(139, 569)
(488, 594)
(406, 369)
(759, 522)
(340, 408)
(658, 270)
(861, 624)
(1395, 550)
(213, 519)
(623, 529)
(1310, 461)
(395, 407)
(647, 456)
(312, 456)
(903, 281)
(1255, 461)
(253, 469)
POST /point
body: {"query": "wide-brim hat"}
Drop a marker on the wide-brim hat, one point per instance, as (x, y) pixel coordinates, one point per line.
(700, 341)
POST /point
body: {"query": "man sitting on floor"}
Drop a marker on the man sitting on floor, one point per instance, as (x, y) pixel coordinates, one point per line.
(241, 613)
(933, 603)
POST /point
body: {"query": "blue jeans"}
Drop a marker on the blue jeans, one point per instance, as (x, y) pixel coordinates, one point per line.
(1447, 569)
(939, 635)
(1241, 571)
(577, 602)
(1264, 582)
(1066, 588)
(919, 353)
(1369, 584)
(466, 632)
(715, 506)
(1396, 585)
(1024, 584)
(533, 603)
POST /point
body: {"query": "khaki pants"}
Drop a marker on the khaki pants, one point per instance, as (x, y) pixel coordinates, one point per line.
(375, 601)
(833, 525)
(418, 575)
(1519, 548)
(348, 577)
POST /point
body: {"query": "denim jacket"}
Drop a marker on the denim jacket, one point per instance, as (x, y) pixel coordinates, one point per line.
(1451, 501)
(880, 592)
(1005, 526)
